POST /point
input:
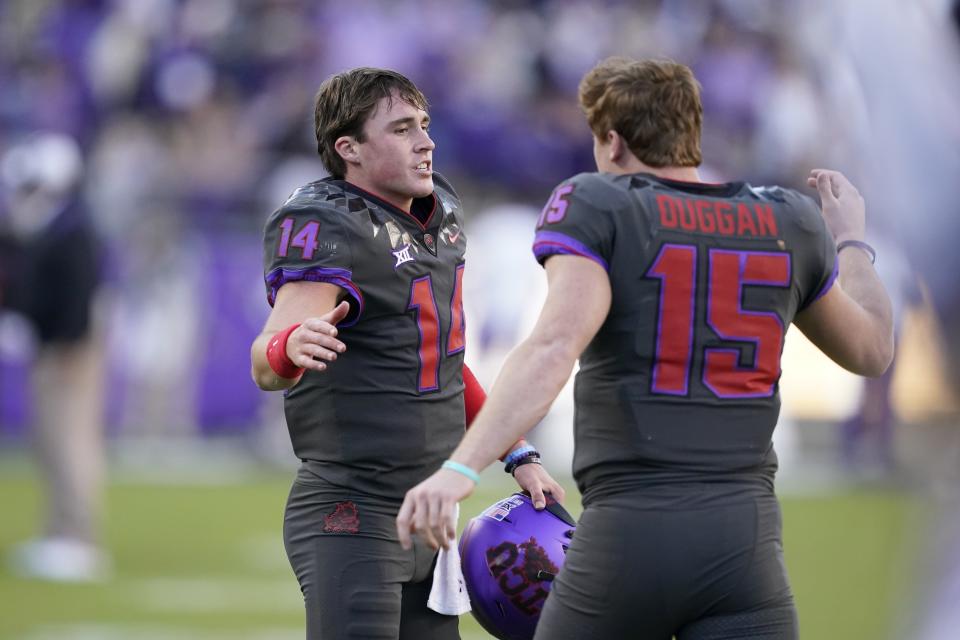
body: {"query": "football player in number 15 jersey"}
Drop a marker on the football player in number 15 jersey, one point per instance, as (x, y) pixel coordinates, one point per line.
(364, 271)
(676, 296)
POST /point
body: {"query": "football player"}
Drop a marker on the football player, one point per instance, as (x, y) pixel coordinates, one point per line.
(51, 269)
(364, 271)
(675, 295)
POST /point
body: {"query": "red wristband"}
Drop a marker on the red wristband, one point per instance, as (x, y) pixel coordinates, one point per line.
(473, 398)
(277, 355)
(473, 395)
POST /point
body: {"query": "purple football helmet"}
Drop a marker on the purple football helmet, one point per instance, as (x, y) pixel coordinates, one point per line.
(510, 555)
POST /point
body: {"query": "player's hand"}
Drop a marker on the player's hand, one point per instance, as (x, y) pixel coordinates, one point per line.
(314, 342)
(843, 208)
(428, 509)
(535, 480)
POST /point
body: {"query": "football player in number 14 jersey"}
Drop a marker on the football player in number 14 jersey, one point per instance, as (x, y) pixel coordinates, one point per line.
(364, 271)
(675, 295)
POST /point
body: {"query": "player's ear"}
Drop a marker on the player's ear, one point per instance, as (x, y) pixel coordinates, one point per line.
(346, 146)
(617, 146)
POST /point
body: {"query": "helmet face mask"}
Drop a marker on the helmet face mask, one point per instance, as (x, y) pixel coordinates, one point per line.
(510, 555)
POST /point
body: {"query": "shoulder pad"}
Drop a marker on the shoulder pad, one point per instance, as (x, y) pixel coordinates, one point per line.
(322, 194)
(612, 190)
(322, 199)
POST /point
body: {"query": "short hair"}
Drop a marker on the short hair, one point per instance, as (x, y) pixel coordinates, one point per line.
(346, 100)
(653, 104)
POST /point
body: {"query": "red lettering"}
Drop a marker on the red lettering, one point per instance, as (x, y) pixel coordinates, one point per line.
(501, 557)
(688, 221)
(515, 588)
(724, 218)
(529, 606)
(745, 221)
(668, 211)
(707, 216)
(708, 224)
(768, 224)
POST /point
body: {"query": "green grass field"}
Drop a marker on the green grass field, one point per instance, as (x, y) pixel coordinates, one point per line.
(207, 562)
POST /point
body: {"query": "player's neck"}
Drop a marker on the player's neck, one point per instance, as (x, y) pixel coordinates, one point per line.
(404, 203)
(682, 174)
(631, 164)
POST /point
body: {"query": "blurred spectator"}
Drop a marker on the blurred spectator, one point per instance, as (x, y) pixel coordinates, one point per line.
(49, 274)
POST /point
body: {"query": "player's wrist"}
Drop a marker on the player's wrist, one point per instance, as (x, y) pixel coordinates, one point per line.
(519, 444)
(277, 357)
(848, 235)
(862, 247)
(462, 469)
(523, 461)
(521, 456)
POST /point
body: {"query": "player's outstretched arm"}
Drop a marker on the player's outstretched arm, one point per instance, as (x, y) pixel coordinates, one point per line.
(853, 322)
(311, 345)
(578, 300)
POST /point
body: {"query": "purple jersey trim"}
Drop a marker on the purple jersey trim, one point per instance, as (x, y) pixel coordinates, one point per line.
(548, 243)
(829, 283)
(340, 277)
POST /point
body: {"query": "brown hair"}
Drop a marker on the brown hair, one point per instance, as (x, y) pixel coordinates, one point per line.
(345, 102)
(653, 104)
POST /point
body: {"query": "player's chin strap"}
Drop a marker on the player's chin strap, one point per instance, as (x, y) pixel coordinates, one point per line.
(448, 595)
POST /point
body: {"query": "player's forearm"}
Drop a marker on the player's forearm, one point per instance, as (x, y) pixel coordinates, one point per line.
(859, 280)
(531, 379)
(263, 375)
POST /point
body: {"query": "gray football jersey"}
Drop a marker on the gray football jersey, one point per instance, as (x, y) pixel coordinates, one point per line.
(389, 410)
(681, 381)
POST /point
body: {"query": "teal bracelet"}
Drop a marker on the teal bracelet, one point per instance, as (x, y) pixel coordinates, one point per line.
(463, 469)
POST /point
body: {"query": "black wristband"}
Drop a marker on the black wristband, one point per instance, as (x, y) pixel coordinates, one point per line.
(859, 245)
(532, 458)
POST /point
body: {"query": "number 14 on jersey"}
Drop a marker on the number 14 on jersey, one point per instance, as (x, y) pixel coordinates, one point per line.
(424, 305)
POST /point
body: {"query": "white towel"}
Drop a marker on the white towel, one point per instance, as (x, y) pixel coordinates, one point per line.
(449, 592)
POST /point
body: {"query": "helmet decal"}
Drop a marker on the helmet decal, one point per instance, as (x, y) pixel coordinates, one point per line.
(510, 555)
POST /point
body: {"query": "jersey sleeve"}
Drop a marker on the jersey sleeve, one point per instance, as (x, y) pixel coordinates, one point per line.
(576, 221)
(823, 266)
(309, 243)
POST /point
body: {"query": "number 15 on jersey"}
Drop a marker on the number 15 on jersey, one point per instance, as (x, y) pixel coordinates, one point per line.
(728, 271)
